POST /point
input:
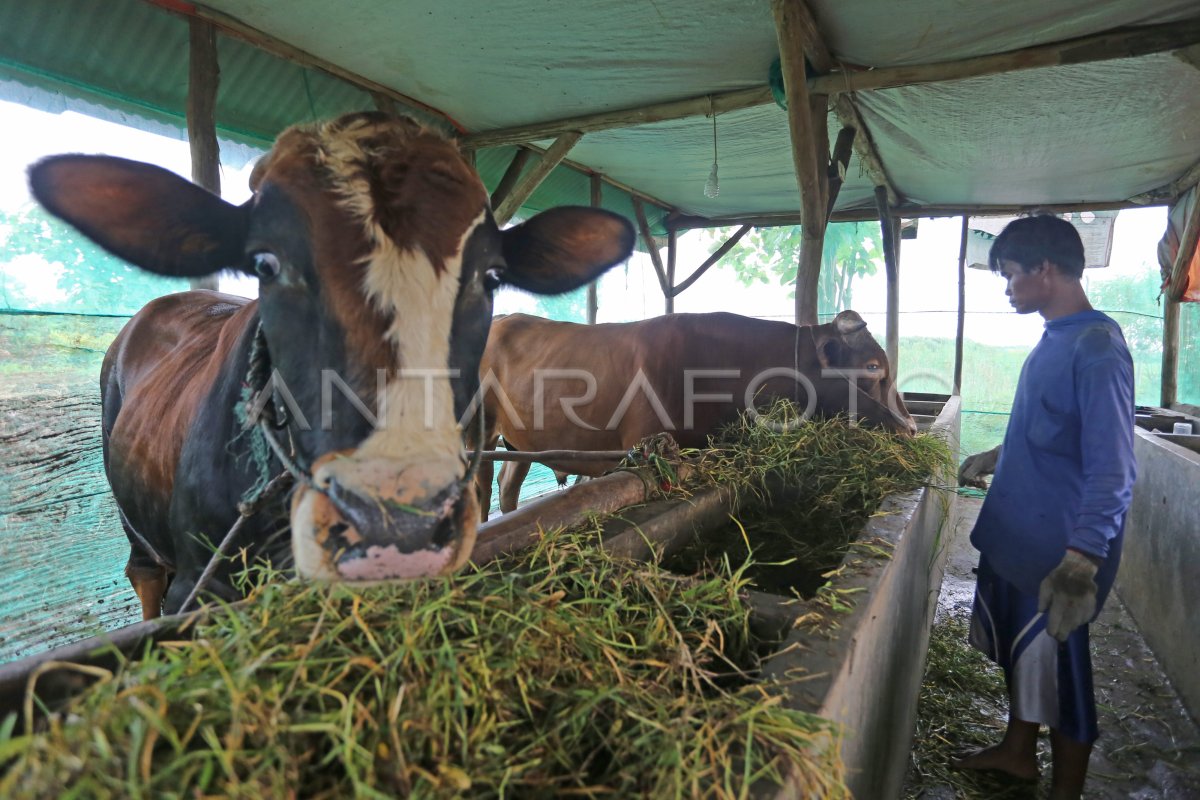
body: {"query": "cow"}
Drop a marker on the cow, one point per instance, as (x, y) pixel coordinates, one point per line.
(377, 257)
(550, 385)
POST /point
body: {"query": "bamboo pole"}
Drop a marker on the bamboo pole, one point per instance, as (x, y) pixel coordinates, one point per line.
(639, 211)
(204, 75)
(1106, 46)
(891, 267)
(962, 307)
(511, 175)
(593, 298)
(526, 186)
(808, 126)
(678, 522)
(720, 252)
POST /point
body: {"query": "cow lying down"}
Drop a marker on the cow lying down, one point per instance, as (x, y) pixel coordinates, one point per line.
(561, 386)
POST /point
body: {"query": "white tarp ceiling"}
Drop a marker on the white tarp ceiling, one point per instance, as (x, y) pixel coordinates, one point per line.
(1095, 132)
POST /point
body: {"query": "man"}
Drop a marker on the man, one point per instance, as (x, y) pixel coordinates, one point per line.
(1049, 532)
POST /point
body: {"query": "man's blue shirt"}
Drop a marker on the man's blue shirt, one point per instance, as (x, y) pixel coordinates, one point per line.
(1066, 469)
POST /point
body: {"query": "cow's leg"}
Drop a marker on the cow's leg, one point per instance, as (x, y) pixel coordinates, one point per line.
(512, 475)
(149, 580)
(483, 487)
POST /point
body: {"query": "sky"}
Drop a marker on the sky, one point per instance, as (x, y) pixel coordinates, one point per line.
(928, 264)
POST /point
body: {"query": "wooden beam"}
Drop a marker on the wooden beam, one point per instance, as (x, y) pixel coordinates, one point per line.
(962, 306)
(838, 163)
(687, 222)
(1120, 43)
(864, 146)
(720, 252)
(593, 298)
(1101, 47)
(701, 106)
(204, 76)
(533, 179)
(515, 167)
(639, 211)
(892, 270)
(809, 159)
(239, 30)
(1170, 354)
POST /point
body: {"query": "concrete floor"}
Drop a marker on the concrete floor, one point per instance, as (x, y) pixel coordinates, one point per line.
(1149, 748)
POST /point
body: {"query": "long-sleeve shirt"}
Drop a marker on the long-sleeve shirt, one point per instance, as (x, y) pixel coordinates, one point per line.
(1066, 469)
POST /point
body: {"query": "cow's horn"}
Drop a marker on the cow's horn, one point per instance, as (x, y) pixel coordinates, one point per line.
(849, 322)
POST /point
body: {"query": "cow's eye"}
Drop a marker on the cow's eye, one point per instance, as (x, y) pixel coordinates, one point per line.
(873, 368)
(266, 265)
(493, 278)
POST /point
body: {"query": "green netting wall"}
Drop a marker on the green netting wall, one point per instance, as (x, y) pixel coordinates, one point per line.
(1189, 354)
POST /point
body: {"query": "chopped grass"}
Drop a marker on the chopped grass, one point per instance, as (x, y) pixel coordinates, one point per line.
(961, 708)
(563, 673)
(804, 489)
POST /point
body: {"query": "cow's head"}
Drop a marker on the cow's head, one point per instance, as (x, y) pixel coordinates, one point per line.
(377, 256)
(845, 345)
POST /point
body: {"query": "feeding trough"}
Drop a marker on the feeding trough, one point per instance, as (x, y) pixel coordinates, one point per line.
(858, 666)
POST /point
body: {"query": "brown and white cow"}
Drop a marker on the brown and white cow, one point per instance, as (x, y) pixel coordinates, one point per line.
(558, 385)
(377, 257)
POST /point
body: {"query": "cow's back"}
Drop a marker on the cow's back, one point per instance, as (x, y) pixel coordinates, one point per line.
(640, 371)
(156, 373)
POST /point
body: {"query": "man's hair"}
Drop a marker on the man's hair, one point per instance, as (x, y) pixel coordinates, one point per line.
(1031, 240)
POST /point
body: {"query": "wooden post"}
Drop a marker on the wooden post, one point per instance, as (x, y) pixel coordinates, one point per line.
(639, 211)
(511, 175)
(962, 307)
(593, 299)
(204, 75)
(808, 123)
(720, 252)
(891, 267)
(1170, 356)
(672, 252)
(533, 179)
(838, 163)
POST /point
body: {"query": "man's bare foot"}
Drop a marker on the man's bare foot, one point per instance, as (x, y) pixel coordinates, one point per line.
(998, 758)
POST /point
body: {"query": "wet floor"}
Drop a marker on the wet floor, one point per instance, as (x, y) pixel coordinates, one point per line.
(1149, 748)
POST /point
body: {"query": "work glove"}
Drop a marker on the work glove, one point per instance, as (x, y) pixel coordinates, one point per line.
(1068, 594)
(975, 467)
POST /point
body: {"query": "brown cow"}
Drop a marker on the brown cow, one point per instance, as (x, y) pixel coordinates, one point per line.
(377, 257)
(558, 385)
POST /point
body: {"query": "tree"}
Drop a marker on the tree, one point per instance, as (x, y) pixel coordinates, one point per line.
(852, 249)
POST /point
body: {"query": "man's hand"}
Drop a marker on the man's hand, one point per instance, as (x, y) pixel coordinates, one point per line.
(1068, 594)
(975, 467)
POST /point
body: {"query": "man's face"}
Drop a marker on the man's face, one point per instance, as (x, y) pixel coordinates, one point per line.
(1027, 291)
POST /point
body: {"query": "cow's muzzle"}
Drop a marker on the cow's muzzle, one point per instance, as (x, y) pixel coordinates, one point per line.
(378, 519)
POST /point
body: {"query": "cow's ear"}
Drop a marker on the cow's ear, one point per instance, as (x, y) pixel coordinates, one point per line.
(564, 248)
(144, 214)
(829, 350)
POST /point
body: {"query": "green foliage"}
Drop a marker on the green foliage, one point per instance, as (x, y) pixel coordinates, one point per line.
(49, 266)
(852, 250)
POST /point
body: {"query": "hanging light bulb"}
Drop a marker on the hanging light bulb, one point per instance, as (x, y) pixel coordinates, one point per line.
(711, 186)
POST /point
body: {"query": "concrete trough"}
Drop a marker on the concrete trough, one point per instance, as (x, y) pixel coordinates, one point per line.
(861, 668)
(1157, 581)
